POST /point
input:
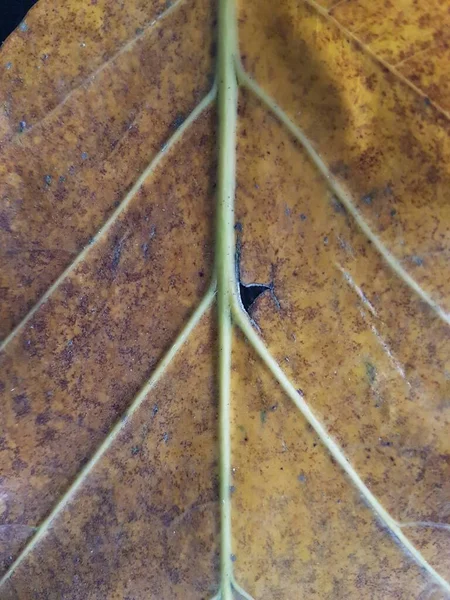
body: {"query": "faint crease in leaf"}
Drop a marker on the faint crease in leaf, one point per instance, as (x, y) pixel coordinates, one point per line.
(392, 68)
(125, 48)
(349, 279)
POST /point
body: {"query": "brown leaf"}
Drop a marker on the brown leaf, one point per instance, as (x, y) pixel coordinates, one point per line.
(146, 448)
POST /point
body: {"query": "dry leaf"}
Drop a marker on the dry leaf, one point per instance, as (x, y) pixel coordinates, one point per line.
(257, 408)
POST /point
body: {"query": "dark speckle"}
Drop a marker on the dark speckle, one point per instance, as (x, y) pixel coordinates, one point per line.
(432, 175)
(367, 199)
(371, 81)
(42, 419)
(303, 217)
(338, 207)
(21, 405)
(233, 558)
(174, 576)
(48, 179)
(242, 430)
(393, 212)
(116, 256)
(340, 168)
(238, 227)
(5, 223)
(427, 101)
(232, 489)
(155, 410)
(178, 121)
(22, 126)
(135, 450)
(117, 253)
(19, 465)
(325, 240)
(371, 372)
(384, 443)
(146, 245)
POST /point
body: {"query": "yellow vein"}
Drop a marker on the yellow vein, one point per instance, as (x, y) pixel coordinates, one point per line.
(392, 68)
(158, 373)
(392, 525)
(125, 48)
(241, 591)
(426, 524)
(226, 181)
(338, 3)
(207, 100)
(430, 50)
(339, 191)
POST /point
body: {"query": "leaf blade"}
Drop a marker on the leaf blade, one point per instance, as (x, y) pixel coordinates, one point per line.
(327, 336)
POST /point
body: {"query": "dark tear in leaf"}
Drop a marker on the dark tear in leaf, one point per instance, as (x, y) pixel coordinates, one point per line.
(250, 293)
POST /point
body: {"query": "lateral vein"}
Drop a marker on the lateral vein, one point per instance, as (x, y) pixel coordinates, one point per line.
(70, 493)
(207, 100)
(339, 191)
(333, 448)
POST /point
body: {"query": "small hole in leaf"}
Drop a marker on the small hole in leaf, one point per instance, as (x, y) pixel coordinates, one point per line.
(250, 293)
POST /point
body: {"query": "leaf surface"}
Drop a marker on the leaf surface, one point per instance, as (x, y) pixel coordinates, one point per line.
(158, 440)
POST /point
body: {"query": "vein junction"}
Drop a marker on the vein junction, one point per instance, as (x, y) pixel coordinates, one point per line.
(230, 72)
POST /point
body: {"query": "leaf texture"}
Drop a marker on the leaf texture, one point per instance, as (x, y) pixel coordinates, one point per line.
(156, 439)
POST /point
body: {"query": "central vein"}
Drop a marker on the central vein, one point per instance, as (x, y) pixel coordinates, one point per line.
(228, 69)
(227, 117)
